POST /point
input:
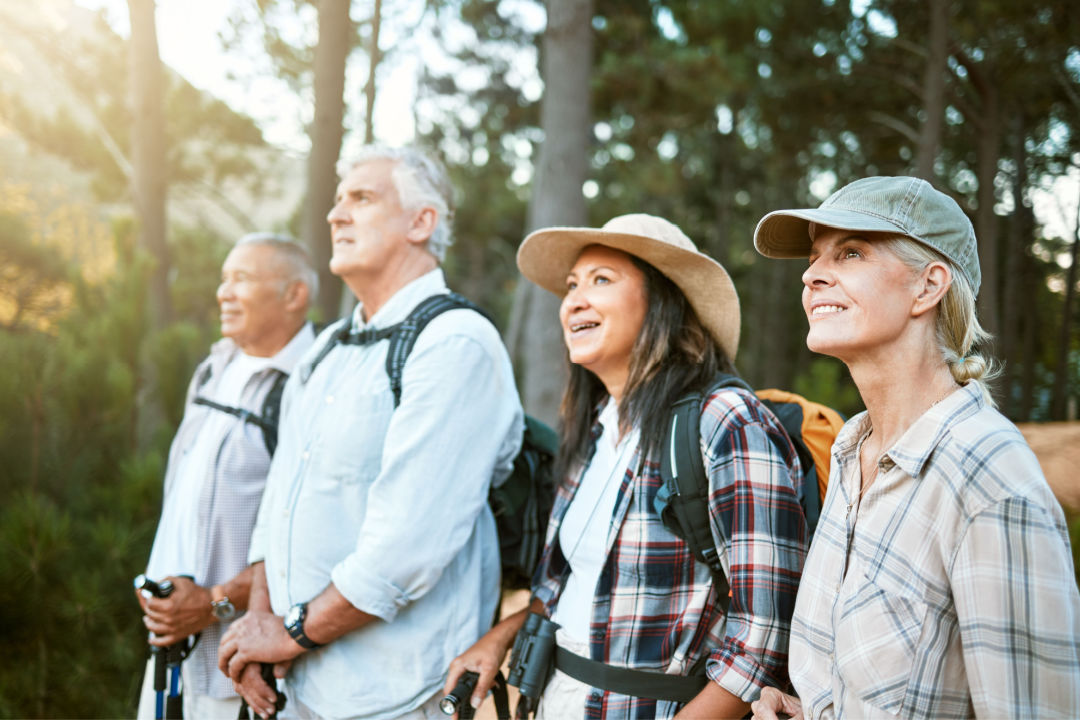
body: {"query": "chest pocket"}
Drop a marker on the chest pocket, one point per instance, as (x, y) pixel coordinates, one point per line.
(352, 426)
(877, 636)
(648, 551)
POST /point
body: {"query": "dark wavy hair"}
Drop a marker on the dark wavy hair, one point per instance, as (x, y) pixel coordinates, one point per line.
(672, 355)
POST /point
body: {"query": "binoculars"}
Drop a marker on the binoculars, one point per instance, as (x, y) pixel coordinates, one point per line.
(533, 656)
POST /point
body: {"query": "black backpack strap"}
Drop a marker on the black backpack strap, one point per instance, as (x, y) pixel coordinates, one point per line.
(405, 333)
(683, 472)
(271, 411)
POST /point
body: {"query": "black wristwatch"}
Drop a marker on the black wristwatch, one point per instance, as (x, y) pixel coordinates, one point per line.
(294, 623)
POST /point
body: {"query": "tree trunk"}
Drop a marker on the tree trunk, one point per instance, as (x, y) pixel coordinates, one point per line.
(148, 154)
(1020, 232)
(933, 90)
(375, 55)
(535, 338)
(1058, 404)
(335, 35)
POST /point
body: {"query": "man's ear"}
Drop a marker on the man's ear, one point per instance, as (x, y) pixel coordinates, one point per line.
(297, 296)
(931, 285)
(423, 225)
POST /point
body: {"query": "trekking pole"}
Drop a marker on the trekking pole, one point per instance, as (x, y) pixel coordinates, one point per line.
(162, 656)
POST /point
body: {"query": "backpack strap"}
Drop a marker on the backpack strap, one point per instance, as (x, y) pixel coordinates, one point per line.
(267, 420)
(687, 486)
(404, 334)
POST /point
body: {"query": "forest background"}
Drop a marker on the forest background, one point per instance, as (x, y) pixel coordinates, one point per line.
(122, 187)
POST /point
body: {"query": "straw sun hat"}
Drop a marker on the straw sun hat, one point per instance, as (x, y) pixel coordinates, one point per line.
(547, 256)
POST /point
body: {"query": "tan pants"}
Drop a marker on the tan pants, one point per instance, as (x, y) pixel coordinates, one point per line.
(564, 697)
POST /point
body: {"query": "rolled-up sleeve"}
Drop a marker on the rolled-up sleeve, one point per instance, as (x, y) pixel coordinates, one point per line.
(459, 413)
(753, 476)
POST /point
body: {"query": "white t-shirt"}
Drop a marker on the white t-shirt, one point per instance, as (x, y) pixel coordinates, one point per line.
(584, 531)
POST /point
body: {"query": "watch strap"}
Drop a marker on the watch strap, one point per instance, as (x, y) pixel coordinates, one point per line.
(296, 629)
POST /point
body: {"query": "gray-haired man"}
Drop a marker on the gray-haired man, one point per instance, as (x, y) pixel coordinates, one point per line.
(381, 560)
(219, 460)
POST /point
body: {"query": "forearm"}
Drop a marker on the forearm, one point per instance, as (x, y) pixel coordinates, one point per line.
(237, 589)
(712, 703)
(330, 615)
(258, 597)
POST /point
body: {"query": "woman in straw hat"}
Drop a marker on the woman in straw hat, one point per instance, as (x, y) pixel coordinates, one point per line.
(940, 582)
(646, 318)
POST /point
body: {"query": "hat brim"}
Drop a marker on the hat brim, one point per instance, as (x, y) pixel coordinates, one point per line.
(546, 257)
(786, 233)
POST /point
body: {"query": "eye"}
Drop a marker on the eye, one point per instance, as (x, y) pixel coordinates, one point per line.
(849, 253)
(571, 285)
(601, 280)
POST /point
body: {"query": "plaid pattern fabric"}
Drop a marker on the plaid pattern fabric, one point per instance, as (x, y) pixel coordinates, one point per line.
(654, 608)
(948, 591)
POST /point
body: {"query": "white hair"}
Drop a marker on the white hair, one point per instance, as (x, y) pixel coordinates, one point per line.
(420, 181)
(294, 256)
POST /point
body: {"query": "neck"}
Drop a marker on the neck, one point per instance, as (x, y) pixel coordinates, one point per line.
(374, 292)
(271, 345)
(898, 390)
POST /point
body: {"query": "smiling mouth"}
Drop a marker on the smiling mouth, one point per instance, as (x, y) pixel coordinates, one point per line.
(827, 310)
(578, 327)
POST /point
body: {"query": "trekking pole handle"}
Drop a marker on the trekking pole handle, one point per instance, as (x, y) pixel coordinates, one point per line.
(161, 589)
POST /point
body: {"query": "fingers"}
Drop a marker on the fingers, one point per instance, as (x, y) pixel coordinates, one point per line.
(766, 706)
(259, 695)
(773, 703)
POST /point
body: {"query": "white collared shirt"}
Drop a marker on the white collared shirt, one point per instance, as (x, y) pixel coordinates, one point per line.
(390, 504)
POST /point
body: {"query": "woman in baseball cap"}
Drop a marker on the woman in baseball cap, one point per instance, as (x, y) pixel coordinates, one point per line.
(939, 582)
(646, 317)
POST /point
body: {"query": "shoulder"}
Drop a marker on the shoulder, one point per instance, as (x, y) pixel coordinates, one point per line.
(461, 326)
(991, 462)
(729, 409)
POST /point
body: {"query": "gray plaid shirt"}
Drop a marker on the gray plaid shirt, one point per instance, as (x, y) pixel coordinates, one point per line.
(229, 499)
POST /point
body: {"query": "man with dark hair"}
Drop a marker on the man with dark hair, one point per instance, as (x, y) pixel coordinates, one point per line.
(375, 549)
(219, 460)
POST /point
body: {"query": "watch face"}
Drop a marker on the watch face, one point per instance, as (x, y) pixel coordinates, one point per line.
(223, 609)
(292, 617)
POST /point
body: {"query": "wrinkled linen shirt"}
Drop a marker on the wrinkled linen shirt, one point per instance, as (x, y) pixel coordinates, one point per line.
(948, 591)
(654, 607)
(213, 483)
(391, 504)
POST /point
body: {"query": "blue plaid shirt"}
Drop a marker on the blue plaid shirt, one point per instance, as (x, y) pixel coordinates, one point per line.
(654, 608)
(948, 590)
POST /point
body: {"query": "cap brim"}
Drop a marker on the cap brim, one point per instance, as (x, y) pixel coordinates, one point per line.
(786, 233)
(546, 257)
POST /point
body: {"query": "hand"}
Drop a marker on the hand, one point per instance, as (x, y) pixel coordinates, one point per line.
(185, 612)
(259, 696)
(258, 636)
(484, 658)
(773, 703)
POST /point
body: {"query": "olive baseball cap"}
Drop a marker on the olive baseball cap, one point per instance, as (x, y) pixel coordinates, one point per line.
(900, 205)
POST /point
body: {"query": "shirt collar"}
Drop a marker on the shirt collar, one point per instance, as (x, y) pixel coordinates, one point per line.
(284, 360)
(914, 448)
(401, 303)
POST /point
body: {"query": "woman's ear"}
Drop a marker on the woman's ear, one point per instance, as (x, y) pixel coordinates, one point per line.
(931, 285)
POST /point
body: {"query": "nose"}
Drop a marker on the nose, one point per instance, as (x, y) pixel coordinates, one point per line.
(819, 274)
(337, 214)
(224, 290)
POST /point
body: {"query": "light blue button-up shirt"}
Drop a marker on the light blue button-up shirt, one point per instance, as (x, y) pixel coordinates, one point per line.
(391, 504)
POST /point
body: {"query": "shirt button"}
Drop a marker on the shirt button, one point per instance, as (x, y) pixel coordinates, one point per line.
(329, 399)
(306, 455)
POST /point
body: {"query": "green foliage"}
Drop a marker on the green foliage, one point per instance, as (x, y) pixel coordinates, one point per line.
(79, 498)
(826, 381)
